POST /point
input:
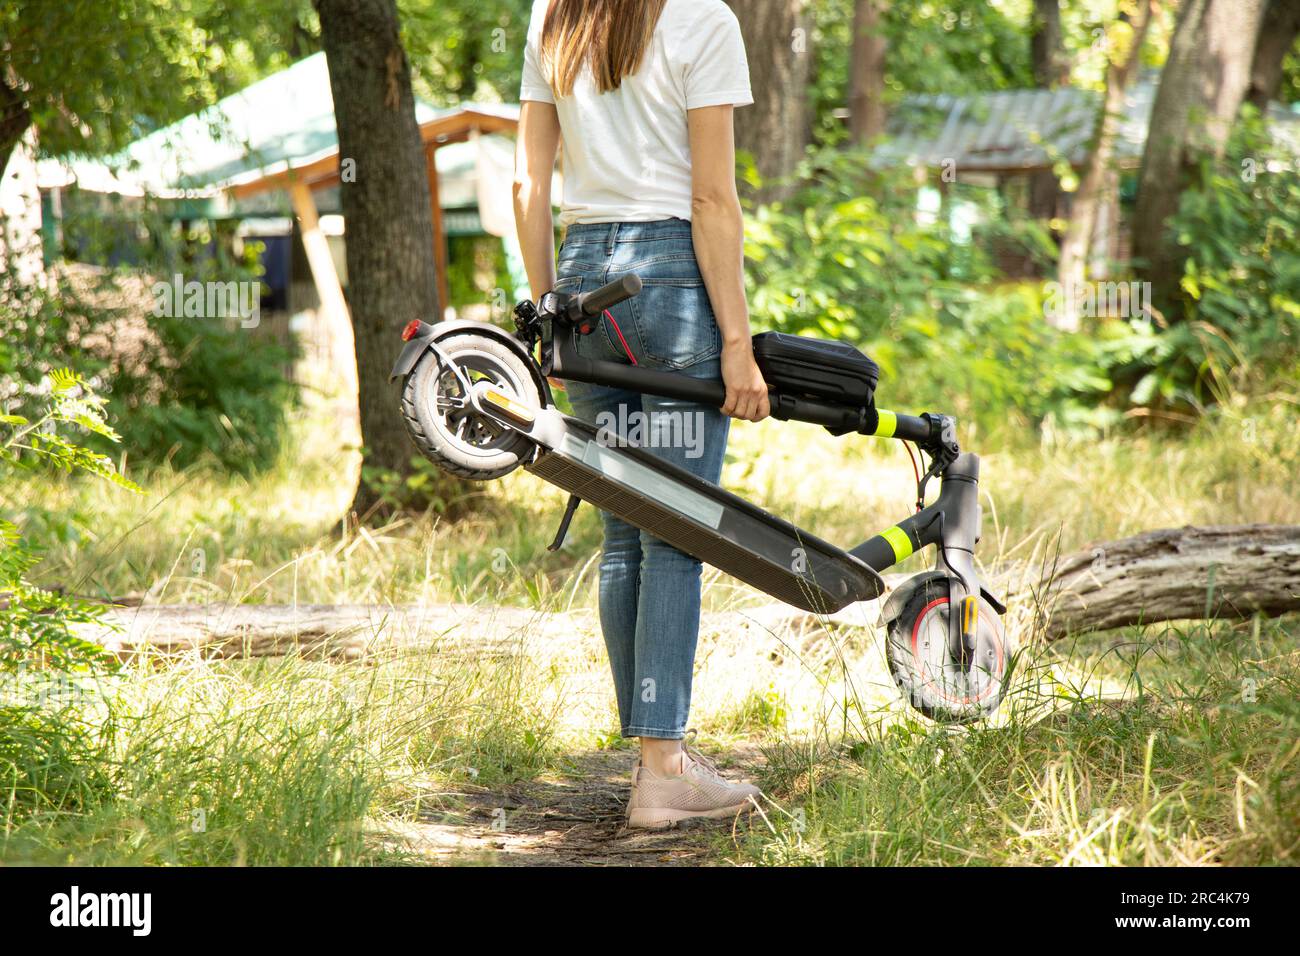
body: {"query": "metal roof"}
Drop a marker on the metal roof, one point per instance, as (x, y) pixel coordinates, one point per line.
(1014, 130)
(285, 121)
(1009, 129)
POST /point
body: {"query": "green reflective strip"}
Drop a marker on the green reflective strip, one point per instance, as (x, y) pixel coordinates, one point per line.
(888, 423)
(899, 541)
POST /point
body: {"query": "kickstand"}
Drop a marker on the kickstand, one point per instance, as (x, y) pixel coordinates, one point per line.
(563, 529)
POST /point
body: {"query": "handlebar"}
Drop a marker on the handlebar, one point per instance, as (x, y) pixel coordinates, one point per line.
(608, 296)
(563, 361)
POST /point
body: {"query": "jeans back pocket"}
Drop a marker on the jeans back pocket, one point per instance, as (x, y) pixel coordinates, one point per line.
(675, 323)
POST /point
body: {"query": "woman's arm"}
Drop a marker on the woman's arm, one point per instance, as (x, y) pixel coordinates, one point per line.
(539, 138)
(718, 232)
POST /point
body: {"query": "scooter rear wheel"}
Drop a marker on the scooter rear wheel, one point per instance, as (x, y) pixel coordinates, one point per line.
(445, 426)
(921, 659)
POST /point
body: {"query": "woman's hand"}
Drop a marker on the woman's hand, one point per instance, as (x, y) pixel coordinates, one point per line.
(746, 390)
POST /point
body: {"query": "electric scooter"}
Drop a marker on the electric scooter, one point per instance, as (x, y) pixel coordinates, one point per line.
(477, 403)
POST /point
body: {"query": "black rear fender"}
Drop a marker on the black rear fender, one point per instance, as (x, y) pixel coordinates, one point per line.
(429, 334)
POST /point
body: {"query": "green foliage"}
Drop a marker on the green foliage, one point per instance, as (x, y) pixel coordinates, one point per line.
(998, 363)
(1289, 90)
(954, 47)
(125, 67)
(849, 258)
(36, 624)
(417, 490)
(1240, 227)
(959, 46)
(207, 394)
(50, 761)
(476, 269)
(180, 389)
(70, 402)
(465, 50)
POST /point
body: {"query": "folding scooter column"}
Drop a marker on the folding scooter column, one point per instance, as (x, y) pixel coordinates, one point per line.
(952, 525)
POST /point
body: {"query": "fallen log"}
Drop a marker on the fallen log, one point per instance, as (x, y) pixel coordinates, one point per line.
(1175, 574)
(353, 631)
(339, 631)
(1224, 571)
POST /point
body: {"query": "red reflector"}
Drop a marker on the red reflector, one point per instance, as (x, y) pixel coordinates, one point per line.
(411, 331)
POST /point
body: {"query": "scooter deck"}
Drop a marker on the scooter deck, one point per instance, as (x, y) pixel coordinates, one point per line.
(699, 518)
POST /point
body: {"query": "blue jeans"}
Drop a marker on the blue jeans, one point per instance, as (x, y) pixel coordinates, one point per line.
(649, 591)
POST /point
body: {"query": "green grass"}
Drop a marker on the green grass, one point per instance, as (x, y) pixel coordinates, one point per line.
(1197, 767)
(1129, 748)
(262, 762)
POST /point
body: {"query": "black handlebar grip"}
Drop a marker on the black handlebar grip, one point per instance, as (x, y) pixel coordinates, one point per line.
(607, 296)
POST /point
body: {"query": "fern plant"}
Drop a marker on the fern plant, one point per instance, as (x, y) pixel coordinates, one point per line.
(38, 626)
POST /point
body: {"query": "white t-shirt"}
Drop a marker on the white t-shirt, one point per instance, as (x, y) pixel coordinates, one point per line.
(626, 155)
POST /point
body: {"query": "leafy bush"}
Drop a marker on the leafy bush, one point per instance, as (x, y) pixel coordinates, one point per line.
(847, 258)
(180, 389)
(1240, 227)
(35, 624)
(50, 760)
(999, 364)
(205, 394)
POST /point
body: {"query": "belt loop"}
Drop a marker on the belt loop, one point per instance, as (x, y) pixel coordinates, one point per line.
(613, 238)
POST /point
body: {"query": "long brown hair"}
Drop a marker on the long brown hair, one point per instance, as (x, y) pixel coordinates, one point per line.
(610, 36)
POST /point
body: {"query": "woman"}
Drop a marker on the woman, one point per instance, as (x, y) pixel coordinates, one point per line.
(640, 93)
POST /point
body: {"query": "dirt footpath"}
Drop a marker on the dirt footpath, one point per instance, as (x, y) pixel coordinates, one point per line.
(569, 819)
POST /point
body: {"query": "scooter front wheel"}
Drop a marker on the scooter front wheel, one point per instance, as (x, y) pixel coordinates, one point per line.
(444, 424)
(924, 667)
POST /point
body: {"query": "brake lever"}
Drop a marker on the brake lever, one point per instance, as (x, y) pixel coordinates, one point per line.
(564, 307)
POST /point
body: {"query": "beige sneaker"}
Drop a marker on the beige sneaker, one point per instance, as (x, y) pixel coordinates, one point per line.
(698, 791)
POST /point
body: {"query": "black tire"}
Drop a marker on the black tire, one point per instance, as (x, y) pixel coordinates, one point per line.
(464, 443)
(917, 649)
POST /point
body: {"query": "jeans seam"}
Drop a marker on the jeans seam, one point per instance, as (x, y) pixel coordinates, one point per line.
(659, 732)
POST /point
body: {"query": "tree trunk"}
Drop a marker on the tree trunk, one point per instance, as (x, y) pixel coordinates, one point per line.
(1046, 50)
(1201, 88)
(1170, 575)
(775, 129)
(1277, 35)
(1122, 64)
(15, 117)
(1051, 69)
(867, 72)
(389, 226)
